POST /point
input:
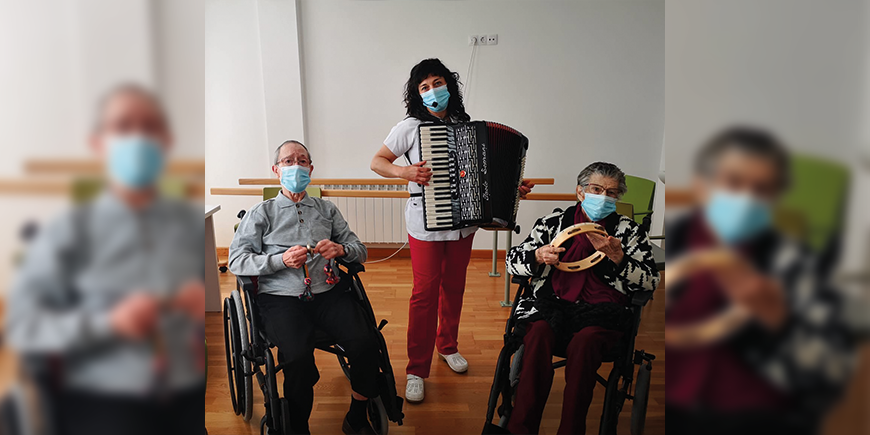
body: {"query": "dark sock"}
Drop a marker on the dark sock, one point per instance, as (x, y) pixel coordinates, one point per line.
(356, 416)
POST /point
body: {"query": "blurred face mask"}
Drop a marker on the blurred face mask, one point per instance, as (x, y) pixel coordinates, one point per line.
(736, 217)
(295, 178)
(135, 161)
(436, 99)
(598, 207)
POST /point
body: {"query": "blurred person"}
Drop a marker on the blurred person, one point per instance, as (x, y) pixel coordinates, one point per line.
(109, 304)
(583, 314)
(779, 372)
(290, 243)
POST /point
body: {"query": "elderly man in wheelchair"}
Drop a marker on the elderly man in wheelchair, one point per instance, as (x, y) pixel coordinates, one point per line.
(578, 301)
(291, 243)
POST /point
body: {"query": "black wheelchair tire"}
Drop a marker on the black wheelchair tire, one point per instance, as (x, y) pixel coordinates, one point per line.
(612, 404)
(285, 416)
(230, 338)
(246, 387)
(275, 412)
(378, 416)
(641, 399)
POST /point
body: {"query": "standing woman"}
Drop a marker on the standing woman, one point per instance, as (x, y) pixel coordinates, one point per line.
(439, 259)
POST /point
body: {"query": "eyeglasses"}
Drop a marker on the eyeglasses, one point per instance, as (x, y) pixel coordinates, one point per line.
(291, 162)
(597, 189)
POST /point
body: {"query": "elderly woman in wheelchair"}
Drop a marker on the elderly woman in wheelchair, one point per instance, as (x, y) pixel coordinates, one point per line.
(578, 303)
(291, 244)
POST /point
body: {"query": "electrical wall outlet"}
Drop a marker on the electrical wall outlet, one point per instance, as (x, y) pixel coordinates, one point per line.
(491, 39)
(481, 40)
(472, 40)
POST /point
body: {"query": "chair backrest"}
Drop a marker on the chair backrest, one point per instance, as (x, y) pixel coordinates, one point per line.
(271, 192)
(641, 194)
(87, 188)
(813, 209)
(625, 209)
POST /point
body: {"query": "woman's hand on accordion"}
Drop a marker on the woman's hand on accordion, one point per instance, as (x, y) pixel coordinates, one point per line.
(416, 173)
(525, 188)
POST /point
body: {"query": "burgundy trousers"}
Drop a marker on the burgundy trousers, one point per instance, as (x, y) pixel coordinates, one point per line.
(585, 353)
(436, 300)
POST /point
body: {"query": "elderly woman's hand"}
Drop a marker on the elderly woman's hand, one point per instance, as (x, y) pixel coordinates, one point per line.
(610, 246)
(548, 255)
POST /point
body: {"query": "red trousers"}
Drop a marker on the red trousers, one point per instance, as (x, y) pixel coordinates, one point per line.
(436, 300)
(585, 353)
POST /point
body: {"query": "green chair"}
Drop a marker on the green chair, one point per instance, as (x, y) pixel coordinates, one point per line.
(641, 194)
(814, 207)
(87, 188)
(271, 192)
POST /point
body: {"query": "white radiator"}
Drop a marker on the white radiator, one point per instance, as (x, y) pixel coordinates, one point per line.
(374, 220)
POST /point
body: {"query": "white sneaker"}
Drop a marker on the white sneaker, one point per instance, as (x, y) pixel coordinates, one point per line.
(456, 362)
(414, 389)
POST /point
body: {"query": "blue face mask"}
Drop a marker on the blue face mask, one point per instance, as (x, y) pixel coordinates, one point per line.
(135, 161)
(598, 207)
(295, 178)
(436, 99)
(736, 217)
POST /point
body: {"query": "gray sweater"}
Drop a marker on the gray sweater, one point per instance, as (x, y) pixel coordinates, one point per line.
(275, 225)
(86, 261)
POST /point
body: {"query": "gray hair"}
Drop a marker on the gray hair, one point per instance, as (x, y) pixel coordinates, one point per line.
(604, 169)
(127, 88)
(278, 150)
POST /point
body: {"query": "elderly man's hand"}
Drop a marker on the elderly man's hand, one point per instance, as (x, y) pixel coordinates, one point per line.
(548, 255)
(191, 299)
(329, 249)
(295, 257)
(610, 246)
(135, 317)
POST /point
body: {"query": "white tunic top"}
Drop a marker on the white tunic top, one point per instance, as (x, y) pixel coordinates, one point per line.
(403, 138)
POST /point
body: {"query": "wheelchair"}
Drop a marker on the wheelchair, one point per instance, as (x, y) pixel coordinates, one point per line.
(249, 355)
(618, 384)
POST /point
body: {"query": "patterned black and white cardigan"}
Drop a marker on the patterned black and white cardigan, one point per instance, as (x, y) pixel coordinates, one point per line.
(636, 272)
(812, 357)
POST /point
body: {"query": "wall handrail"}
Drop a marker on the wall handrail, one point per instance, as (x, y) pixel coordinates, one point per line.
(359, 181)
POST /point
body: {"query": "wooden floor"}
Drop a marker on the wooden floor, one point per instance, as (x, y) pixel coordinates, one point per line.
(455, 403)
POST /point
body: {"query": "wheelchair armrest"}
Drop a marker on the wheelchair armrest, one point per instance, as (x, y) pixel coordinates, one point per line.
(640, 299)
(246, 283)
(352, 268)
(521, 280)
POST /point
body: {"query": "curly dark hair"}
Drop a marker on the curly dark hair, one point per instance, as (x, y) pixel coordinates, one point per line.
(414, 103)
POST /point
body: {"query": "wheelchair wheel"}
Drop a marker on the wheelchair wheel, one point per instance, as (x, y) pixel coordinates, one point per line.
(641, 399)
(231, 348)
(613, 400)
(275, 406)
(378, 416)
(507, 407)
(247, 385)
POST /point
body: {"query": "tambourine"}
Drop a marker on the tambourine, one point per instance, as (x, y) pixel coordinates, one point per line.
(713, 329)
(573, 230)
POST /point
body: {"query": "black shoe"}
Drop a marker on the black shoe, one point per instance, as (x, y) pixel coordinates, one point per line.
(366, 429)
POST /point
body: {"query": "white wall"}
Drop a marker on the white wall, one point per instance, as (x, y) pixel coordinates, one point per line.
(799, 67)
(584, 80)
(59, 56)
(253, 96)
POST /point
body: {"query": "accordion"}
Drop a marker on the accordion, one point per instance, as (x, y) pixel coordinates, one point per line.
(477, 168)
